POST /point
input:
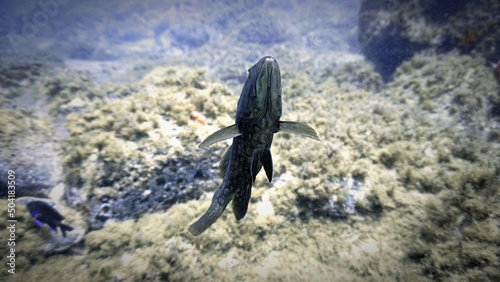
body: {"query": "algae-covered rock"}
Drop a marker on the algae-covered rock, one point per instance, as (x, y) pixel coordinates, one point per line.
(391, 191)
(460, 234)
(400, 187)
(453, 89)
(34, 243)
(29, 139)
(358, 75)
(16, 75)
(38, 96)
(403, 185)
(24, 140)
(54, 241)
(135, 155)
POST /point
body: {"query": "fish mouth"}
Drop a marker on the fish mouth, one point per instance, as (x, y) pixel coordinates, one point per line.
(261, 94)
(269, 65)
(269, 61)
(270, 73)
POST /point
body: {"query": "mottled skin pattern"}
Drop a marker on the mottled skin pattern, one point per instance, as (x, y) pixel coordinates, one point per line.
(248, 148)
(257, 120)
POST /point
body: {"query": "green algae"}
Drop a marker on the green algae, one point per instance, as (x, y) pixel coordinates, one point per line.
(15, 76)
(116, 144)
(33, 243)
(425, 195)
(37, 98)
(460, 236)
(458, 97)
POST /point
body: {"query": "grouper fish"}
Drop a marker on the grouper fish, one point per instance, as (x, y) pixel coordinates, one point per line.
(257, 120)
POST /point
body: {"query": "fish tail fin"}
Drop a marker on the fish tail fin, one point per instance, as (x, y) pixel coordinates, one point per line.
(221, 198)
(65, 228)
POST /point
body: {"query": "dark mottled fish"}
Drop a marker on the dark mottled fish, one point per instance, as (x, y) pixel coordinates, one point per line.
(46, 214)
(257, 119)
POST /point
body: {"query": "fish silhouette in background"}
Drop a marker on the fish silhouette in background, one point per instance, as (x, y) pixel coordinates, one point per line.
(257, 120)
(46, 214)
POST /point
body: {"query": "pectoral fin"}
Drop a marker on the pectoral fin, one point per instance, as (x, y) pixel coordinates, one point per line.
(298, 128)
(220, 135)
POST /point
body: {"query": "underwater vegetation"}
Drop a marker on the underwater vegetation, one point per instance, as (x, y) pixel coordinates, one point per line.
(133, 149)
(399, 187)
(459, 237)
(404, 185)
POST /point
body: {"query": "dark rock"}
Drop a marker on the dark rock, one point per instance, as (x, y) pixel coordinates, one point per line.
(177, 181)
(36, 183)
(441, 10)
(388, 52)
(391, 32)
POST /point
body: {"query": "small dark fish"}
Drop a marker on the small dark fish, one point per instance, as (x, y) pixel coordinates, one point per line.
(44, 213)
(257, 120)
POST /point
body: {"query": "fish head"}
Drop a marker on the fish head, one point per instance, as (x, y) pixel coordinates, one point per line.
(261, 94)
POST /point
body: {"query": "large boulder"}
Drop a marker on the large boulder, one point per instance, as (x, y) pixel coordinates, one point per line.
(390, 32)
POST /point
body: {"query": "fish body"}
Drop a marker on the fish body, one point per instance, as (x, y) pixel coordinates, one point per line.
(46, 214)
(257, 120)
